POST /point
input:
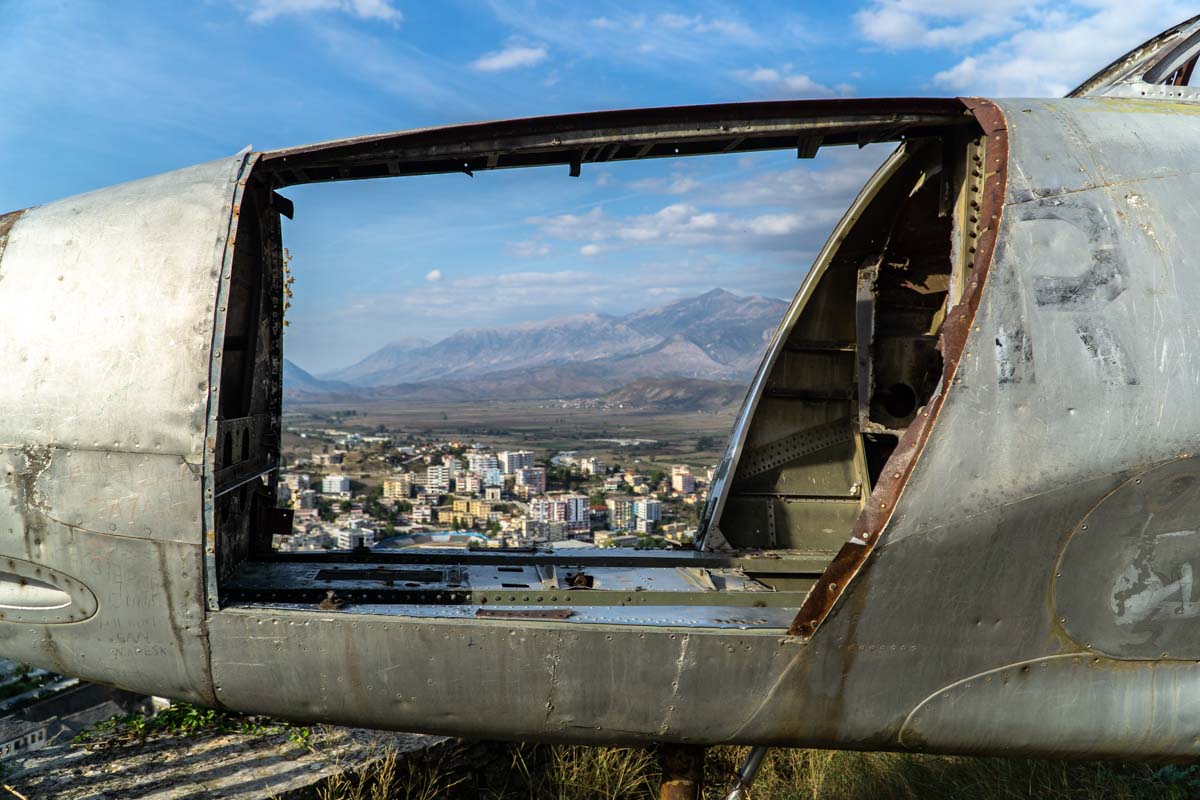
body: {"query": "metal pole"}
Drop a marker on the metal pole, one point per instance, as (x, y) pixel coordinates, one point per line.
(746, 774)
(682, 771)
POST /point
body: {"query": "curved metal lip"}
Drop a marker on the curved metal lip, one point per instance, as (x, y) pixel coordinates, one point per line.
(81, 603)
(718, 493)
(598, 135)
(1145, 66)
(886, 495)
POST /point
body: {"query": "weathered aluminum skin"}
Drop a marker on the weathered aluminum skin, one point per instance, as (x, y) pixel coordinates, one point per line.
(1093, 265)
(967, 629)
(108, 300)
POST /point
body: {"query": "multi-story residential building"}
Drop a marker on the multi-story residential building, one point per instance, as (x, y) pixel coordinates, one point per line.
(634, 480)
(549, 531)
(543, 509)
(492, 477)
(620, 513)
(437, 478)
(645, 525)
(354, 536)
(479, 463)
(306, 499)
(513, 460)
(423, 514)
(399, 487)
(469, 484)
(648, 509)
(335, 484)
(591, 466)
(492, 493)
(682, 479)
(534, 478)
(578, 512)
(453, 466)
(328, 459)
(614, 482)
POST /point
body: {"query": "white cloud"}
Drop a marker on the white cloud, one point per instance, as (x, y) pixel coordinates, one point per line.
(433, 276)
(786, 82)
(512, 56)
(683, 225)
(382, 10)
(1031, 48)
(1062, 50)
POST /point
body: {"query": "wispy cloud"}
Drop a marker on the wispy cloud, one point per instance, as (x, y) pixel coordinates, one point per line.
(530, 248)
(512, 56)
(262, 11)
(615, 33)
(785, 81)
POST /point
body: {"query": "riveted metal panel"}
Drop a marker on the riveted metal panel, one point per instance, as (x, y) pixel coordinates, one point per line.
(147, 629)
(532, 680)
(108, 304)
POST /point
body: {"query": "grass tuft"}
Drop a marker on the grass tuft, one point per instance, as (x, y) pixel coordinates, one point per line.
(607, 773)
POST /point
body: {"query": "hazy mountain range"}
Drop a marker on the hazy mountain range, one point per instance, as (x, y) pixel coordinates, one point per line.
(716, 336)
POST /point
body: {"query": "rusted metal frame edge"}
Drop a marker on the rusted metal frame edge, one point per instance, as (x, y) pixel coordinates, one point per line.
(245, 168)
(869, 526)
(6, 224)
(590, 141)
(544, 151)
(600, 120)
(722, 481)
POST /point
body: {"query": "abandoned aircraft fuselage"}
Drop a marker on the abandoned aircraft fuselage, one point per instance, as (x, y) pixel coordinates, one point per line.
(958, 510)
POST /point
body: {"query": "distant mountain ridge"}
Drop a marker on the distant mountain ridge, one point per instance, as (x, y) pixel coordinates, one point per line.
(716, 336)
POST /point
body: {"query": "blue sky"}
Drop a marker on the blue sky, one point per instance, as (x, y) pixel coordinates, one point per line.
(96, 93)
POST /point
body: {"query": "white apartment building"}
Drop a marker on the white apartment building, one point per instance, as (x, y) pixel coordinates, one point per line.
(479, 463)
(648, 509)
(513, 460)
(437, 478)
(354, 536)
(335, 484)
(591, 466)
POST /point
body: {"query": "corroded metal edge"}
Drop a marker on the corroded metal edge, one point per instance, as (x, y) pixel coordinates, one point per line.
(240, 176)
(6, 224)
(874, 517)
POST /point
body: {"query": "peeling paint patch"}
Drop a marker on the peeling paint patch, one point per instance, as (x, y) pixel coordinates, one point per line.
(1014, 356)
(1105, 351)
